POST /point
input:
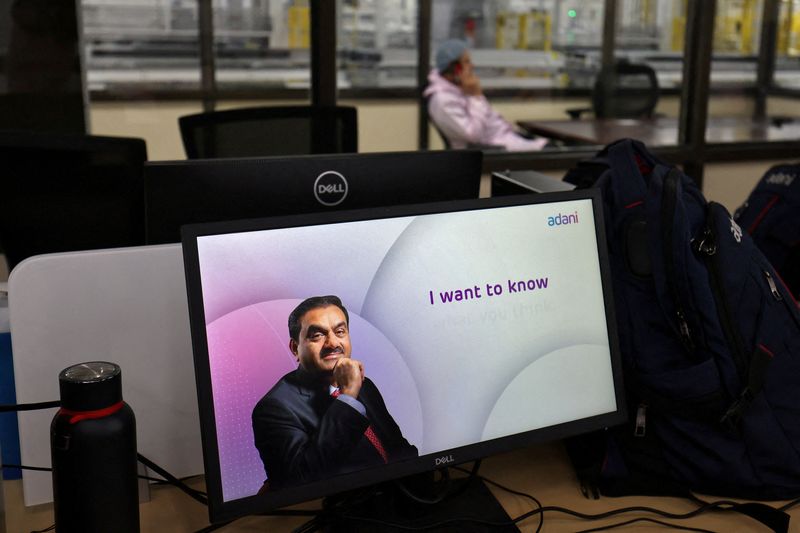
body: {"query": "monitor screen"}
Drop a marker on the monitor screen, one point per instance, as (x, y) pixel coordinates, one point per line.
(185, 192)
(477, 326)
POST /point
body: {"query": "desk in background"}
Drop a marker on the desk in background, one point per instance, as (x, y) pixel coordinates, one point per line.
(661, 131)
(542, 471)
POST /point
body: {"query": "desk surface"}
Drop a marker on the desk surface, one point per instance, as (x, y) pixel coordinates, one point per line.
(542, 471)
(661, 131)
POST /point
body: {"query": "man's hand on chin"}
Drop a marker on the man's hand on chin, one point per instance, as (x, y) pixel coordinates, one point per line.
(471, 85)
(348, 375)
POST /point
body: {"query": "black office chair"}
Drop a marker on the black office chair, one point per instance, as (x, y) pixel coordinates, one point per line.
(67, 192)
(265, 131)
(628, 90)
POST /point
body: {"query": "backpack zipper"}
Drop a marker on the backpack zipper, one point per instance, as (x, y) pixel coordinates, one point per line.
(772, 287)
(668, 203)
(791, 305)
(640, 426)
(707, 247)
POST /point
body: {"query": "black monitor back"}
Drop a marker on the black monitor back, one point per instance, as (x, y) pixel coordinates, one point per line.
(64, 192)
(509, 182)
(185, 192)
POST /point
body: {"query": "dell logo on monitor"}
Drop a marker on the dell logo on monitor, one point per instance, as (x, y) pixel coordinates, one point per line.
(445, 459)
(330, 188)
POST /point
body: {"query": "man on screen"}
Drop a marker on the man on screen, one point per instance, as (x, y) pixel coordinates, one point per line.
(326, 417)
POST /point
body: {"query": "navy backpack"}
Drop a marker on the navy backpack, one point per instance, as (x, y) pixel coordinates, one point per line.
(771, 215)
(710, 342)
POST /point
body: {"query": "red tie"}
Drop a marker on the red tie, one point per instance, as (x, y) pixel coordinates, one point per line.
(371, 436)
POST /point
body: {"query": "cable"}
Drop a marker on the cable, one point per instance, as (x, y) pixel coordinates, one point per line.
(168, 478)
(312, 525)
(194, 493)
(7, 408)
(473, 475)
(441, 523)
(24, 467)
(633, 509)
(214, 527)
(290, 512)
(455, 520)
(45, 530)
(157, 480)
(789, 505)
(643, 519)
(443, 493)
(161, 481)
(721, 505)
(202, 497)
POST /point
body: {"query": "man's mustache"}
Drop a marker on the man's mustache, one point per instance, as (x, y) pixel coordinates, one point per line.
(328, 351)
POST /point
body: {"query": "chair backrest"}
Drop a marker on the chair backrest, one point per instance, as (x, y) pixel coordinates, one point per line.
(442, 136)
(266, 131)
(445, 140)
(64, 192)
(627, 90)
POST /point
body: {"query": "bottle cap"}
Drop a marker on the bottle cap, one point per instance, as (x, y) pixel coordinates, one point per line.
(90, 386)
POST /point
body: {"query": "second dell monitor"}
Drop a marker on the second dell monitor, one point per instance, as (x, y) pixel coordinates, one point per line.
(186, 192)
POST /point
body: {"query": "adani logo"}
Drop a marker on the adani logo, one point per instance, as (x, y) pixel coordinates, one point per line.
(330, 188)
(562, 220)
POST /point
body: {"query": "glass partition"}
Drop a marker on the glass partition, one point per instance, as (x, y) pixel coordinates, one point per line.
(141, 46)
(787, 61)
(737, 30)
(261, 45)
(652, 32)
(377, 44)
(133, 46)
(524, 44)
(153, 45)
(538, 60)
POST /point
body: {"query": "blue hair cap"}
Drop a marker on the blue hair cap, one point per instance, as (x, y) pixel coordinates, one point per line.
(449, 51)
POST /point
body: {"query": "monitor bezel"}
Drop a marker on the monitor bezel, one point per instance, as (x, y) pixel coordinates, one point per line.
(220, 510)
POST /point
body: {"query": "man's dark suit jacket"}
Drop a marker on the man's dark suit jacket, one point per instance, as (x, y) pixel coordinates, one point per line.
(303, 434)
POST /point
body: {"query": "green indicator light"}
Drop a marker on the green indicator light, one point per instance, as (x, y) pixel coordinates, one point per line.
(572, 13)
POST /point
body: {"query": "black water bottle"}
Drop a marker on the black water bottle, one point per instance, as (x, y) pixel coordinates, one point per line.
(93, 447)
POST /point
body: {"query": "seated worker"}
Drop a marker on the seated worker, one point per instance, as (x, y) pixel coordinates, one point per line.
(457, 105)
(326, 417)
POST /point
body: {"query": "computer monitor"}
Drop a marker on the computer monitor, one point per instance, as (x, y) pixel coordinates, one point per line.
(482, 326)
(184, 192)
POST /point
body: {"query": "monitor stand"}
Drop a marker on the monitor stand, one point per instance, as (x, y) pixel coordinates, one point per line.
(466, 497)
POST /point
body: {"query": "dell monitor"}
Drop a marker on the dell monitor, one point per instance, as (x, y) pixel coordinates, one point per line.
(184, 192)
(451, 331)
